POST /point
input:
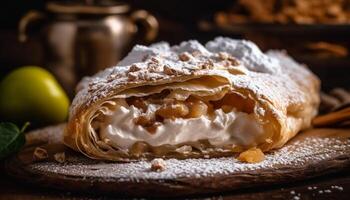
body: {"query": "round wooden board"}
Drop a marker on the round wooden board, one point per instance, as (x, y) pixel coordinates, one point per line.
(312, 153)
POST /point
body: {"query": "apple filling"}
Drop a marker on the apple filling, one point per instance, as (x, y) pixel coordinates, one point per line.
(192, 107)
(141, 124)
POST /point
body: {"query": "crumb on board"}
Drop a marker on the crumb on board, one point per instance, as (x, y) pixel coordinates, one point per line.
(40, 154)
(253, 155)
(296, 154)
(158, 164)
(60, 157)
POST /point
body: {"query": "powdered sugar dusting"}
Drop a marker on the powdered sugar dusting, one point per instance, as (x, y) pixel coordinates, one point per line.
(55, 136)
(247, 52)
(310, 150)
(156, 61)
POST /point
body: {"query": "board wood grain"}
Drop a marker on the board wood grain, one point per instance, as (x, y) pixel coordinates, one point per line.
(312, 153)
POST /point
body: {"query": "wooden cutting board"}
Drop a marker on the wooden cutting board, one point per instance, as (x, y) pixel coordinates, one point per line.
(312, 153)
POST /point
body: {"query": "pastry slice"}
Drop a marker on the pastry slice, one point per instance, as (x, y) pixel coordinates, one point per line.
(190, 101)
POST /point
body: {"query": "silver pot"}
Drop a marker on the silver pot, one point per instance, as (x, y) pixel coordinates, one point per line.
(80, 39)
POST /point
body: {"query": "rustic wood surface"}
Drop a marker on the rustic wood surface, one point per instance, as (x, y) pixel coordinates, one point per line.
(17, 190)
(24, 169)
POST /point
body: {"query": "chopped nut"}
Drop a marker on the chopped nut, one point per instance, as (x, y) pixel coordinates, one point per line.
(253, 155)
(158, 164)
(185, 56)
(225, 64)
(197, 109)
(132, 76)
(227, 57)
(93, 86)
(40, 154)
(223, 55)
(196, 53)
(144, 120)
(138, 103)
(233, 61)
(172, 111)
(148, 123)
(155, 60)
(60, 157)
(153, 128)
(154, 67)
(207, 65)
(134, 68)
(111, 77)
(169, 71)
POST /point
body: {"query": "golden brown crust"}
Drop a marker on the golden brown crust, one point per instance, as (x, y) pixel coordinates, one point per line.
(285, 100)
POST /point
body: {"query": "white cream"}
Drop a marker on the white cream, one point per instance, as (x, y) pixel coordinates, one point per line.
(225, 128)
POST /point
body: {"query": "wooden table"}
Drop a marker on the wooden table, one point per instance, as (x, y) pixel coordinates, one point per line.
(319, 188)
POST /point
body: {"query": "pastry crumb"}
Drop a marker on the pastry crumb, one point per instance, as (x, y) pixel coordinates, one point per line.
(60, 157)
(184, 149)
(253, 155)
(40, 154)
(158, 164)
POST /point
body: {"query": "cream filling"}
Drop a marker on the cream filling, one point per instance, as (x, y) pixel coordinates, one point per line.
(236, 128)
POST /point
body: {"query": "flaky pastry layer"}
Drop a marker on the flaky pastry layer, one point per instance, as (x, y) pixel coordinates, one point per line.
(187, 82)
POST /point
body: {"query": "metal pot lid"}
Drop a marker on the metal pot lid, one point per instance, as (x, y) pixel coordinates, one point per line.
(87, 7)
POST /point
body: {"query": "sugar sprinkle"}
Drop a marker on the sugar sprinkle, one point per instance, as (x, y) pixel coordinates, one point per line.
(293, 154)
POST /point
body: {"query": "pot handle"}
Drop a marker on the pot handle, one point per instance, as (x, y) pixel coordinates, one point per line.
(28, 18)
(148, 21)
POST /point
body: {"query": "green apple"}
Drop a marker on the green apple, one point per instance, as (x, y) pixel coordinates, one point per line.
(32, 94)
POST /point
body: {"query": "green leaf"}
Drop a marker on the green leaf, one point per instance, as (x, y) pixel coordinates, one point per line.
(11, 139)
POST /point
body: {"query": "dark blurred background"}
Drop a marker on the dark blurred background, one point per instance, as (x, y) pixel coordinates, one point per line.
(178, 20)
